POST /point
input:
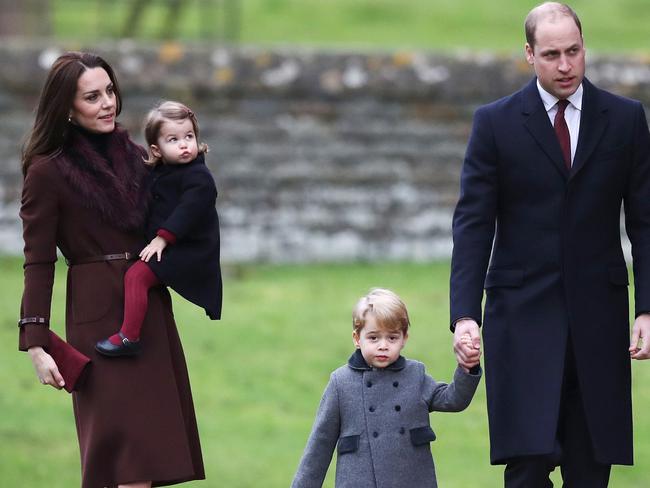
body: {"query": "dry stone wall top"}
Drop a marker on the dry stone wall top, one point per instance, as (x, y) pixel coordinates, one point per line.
(318, 155)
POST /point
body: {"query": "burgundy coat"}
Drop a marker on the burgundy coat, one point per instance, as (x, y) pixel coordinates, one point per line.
(134, 416)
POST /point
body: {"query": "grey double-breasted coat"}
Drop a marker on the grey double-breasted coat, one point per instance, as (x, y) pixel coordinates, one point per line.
(380, 420)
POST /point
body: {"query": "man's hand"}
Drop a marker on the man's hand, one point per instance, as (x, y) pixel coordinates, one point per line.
(640, 336)
(155, 247)
(468, 353)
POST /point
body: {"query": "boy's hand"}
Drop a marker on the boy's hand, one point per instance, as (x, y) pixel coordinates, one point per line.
(156, 247)
(467, 343)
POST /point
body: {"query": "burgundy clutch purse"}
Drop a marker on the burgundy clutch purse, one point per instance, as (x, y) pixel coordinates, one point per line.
(71, 363)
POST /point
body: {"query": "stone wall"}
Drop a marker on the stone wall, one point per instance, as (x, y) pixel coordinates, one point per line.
(317, 155)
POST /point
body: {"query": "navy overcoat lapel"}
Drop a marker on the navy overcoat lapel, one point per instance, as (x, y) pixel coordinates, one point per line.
(539, 126)
(593, 122)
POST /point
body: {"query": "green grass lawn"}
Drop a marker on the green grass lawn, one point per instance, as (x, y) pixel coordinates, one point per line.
(258, 376)
(387, 24)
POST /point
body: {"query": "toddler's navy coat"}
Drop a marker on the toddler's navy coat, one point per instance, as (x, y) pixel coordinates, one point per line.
(183, 200)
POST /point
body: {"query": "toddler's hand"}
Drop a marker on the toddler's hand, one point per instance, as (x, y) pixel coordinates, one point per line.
(156, 247)
(467, 344)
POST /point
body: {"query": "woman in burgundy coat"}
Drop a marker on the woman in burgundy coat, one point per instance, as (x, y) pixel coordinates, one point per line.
(83, 194)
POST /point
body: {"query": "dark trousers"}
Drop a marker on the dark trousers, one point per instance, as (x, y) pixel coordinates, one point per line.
(574, 452)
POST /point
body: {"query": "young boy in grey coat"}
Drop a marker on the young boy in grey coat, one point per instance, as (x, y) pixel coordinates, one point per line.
(375, 409)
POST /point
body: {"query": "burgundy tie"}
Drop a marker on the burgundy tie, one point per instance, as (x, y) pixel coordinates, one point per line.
(562, 132)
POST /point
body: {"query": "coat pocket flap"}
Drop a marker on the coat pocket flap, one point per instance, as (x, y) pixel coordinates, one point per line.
(347, 444)
(422, 435)
(504, 277)
(618, 275)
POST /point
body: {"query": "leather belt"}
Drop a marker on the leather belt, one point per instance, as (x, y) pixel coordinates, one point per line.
(127, 256)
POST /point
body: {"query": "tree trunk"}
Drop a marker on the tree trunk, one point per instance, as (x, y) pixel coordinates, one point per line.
(133, 20)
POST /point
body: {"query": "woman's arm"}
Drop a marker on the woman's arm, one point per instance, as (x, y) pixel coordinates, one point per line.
(39, 214)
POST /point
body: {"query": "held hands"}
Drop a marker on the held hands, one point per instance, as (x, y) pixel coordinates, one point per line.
(46, 369)
(467, 343)
(156, 247)
(640, 337)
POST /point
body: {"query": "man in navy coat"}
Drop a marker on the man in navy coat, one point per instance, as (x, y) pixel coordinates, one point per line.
(537, 226)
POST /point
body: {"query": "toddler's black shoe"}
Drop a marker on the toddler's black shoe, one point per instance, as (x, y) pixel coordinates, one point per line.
(126, 348)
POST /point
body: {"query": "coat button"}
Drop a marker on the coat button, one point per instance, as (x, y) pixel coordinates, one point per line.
(395, 384)
(397, 408)
(401, 430)
(372, 409)
(375, 434)
(369, 384)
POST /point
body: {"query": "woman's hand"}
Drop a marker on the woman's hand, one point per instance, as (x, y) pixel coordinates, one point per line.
(46, 369)
(156, 247)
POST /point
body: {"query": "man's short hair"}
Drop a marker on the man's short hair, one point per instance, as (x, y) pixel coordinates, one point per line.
(551, 9)
(385, 306)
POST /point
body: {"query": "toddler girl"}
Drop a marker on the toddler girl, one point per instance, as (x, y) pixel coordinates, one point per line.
(182, 226)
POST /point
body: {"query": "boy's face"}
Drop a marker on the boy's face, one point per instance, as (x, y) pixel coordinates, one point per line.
(380, 347)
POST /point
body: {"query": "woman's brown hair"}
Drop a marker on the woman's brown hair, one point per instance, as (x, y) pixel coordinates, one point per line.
(51, 123)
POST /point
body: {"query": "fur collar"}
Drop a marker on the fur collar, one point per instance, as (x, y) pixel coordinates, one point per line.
(108, 176)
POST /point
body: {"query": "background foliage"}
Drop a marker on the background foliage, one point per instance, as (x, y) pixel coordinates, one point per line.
(426, 24)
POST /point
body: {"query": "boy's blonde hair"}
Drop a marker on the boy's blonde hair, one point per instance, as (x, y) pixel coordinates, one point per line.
(385, 306)
(168, 110)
